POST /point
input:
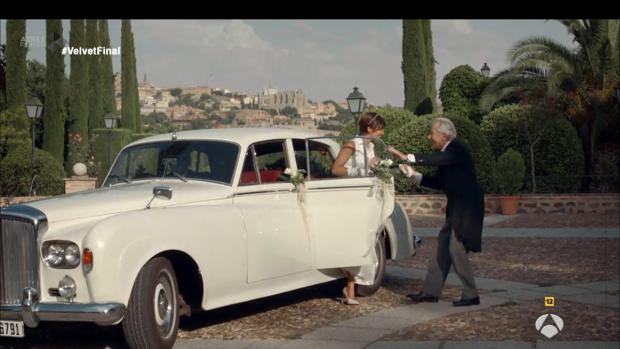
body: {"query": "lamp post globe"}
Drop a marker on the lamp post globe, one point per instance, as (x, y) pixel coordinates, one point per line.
(356, 103)
(485, 70)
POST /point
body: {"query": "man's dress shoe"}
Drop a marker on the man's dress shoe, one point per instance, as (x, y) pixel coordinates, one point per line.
(421, 297)
(466, 302)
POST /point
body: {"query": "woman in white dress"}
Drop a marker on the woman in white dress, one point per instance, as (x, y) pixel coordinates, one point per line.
(357, 158)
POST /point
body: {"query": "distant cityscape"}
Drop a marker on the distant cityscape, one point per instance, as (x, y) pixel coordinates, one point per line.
(216, 107)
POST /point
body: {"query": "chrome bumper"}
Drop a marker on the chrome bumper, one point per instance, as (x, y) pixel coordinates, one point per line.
(31, 311)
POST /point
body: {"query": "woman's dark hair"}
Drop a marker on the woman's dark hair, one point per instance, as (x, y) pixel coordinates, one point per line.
(371, 119)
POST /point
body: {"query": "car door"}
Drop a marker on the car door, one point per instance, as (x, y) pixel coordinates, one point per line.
(277, 242)
(343, 212)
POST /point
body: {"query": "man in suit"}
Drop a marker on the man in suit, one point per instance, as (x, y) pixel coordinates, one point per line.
(462, 229)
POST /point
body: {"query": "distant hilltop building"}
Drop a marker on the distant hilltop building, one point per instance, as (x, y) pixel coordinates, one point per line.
(270, 98)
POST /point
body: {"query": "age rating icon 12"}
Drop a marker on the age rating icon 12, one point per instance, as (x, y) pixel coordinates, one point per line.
(549, 301)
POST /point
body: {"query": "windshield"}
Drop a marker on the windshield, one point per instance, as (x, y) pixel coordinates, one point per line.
(185, 160)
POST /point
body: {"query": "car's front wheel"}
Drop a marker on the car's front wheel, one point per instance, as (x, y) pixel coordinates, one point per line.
(369, 290)
(152, 316)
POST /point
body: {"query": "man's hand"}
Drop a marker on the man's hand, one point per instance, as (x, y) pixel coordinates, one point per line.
(407, 170)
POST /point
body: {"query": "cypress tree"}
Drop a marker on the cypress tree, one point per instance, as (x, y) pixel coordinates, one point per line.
(95, 98)
(79, 84)
(107, 71)
(54, 118)
(16, 66)
(415, 68)
(2, 78)
(430, 62)
(127, 99)
(134, 86)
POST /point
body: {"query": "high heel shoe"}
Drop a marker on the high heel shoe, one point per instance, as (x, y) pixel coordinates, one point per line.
(348, 301)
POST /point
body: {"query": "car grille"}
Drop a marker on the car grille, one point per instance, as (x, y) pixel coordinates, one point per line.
(19, 258)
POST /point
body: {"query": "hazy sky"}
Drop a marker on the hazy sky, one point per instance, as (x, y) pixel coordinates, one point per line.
(324, 58)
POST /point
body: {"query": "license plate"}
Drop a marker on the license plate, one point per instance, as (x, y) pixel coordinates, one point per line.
(11, 328)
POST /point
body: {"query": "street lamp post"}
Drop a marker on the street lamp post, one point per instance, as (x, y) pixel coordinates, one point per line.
(485, 70)
(110, 123)
(356, 102)
(33, 109)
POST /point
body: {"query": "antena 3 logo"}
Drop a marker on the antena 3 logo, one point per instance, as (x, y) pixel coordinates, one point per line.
(549, 330)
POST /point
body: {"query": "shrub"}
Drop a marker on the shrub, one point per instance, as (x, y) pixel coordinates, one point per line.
(558, 154)
(14, 132)
(136, 136)
(460, 92)
(77, 151)
(394, 119)
(16, 172)
(120, 137)
(510, 172)
(412, 138)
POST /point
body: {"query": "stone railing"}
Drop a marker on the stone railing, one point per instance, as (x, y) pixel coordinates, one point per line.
(528, 203)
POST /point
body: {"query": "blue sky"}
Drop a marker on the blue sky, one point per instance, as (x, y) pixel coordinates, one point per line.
(324, 58)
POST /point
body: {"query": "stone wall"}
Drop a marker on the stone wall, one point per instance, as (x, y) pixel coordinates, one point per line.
(79, 183)
(529, 203)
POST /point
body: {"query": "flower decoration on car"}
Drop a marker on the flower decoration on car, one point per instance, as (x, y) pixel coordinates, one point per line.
(296, 177)
(385, 170)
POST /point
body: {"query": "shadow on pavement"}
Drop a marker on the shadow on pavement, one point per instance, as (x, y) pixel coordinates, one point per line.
(89, 336)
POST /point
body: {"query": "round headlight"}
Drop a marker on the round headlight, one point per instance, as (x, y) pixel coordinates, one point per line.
(72, 255)
(55, 255)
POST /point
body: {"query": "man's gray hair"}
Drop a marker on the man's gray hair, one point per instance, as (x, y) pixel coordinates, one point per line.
(445, 126)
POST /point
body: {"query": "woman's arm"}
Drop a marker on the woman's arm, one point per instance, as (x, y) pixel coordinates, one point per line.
(347, 150)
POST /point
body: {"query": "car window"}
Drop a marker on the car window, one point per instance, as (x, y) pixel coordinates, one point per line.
(321, 159)
(270, 160)
(201, 160)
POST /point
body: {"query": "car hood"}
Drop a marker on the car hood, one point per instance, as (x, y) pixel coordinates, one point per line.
(126, 197)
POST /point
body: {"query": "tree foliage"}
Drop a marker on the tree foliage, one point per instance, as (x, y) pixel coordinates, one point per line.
(54, 111)
(16, 49)
(460, 92)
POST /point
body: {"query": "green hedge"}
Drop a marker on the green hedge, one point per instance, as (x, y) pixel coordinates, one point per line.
(558, 154)
(412, 138)
(394, 118)
(14, 132)
(460, 92)
(137, 136)
(16, 173)
(120, 137)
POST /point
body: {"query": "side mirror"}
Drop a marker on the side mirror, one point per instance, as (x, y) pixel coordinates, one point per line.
(160, 192)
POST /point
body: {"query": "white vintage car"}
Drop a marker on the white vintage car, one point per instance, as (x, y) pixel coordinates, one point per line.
(193, 221)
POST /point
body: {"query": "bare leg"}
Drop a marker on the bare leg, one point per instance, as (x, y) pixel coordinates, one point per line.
(349, 291)
(350, 286)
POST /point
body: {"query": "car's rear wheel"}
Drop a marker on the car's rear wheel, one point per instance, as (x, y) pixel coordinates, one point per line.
(152, 316)
(369, 290)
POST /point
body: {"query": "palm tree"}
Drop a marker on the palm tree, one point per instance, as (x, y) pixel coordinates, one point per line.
(579, 80)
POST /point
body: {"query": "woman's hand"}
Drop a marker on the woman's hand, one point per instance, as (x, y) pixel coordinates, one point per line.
(395, 152)
(372, 163)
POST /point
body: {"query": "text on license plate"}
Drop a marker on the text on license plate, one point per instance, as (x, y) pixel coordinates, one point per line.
(11, 328)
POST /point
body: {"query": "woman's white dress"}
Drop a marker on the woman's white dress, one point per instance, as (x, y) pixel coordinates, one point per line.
(358, 166)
